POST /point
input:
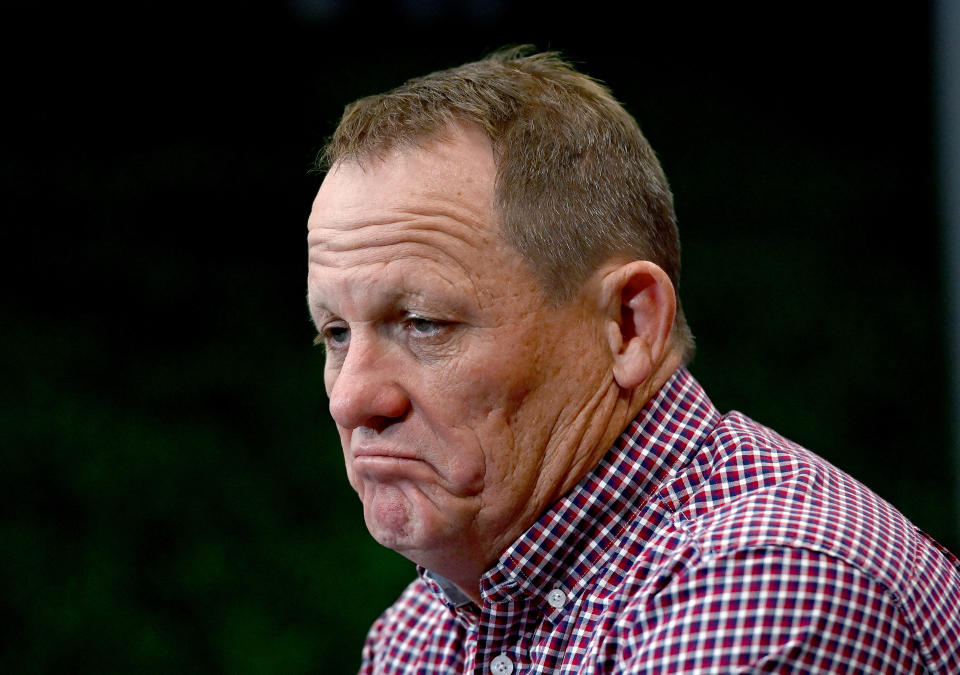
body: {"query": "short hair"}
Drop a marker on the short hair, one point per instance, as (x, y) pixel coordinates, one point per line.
(577, 182)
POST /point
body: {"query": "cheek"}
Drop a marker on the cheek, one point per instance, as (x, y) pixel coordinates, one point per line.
(503, 390)
(481, 400)
(489, 416)
(329, 378)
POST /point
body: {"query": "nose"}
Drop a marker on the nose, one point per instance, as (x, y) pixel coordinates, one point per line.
(364, 391)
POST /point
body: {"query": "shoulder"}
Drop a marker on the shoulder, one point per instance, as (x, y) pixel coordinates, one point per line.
(750, 487)
(785, 537)
(772, 609)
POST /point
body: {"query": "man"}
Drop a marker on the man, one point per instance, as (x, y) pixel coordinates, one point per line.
(493, 265)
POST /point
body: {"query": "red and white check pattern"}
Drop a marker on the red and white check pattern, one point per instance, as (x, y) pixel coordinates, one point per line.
(700, 544)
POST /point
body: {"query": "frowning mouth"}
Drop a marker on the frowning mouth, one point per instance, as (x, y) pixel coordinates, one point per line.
(398, 454)
(388, 464)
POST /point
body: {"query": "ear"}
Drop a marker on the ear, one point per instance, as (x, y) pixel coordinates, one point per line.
(641, 305)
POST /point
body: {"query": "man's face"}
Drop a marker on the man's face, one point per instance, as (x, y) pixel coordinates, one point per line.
(456, 388)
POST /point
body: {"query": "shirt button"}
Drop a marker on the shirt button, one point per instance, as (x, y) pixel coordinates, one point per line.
(556, 598)
(501, 665)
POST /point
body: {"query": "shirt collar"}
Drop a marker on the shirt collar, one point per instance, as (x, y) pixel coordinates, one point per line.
(567, 541)
(454, 598)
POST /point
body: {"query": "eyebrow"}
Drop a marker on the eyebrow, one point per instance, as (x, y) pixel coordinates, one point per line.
(317, 310)
(393, 300)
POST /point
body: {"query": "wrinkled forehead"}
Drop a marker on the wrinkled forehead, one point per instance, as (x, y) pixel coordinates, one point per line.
(456, 170)
(426, 212)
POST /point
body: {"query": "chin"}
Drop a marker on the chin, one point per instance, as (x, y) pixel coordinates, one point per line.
(409, 526)
(395, 520)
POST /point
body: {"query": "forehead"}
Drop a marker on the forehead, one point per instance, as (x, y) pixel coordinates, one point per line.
(452, 175)
(426, 212)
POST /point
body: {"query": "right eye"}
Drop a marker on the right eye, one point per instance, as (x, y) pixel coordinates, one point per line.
(336, 336)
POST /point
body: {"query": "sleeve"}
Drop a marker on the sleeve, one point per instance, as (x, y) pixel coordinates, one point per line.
(770, 610)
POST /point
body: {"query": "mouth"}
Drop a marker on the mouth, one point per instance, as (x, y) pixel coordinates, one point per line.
(398, 454)
(387, 464)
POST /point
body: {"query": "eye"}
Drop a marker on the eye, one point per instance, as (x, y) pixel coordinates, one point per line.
(338, 334)
(421, 325)
(424, 327)
(335, 336)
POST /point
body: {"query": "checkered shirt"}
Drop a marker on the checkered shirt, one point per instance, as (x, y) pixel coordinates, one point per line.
(701, 543)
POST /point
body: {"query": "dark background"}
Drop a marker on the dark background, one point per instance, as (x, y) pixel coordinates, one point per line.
(174, 494)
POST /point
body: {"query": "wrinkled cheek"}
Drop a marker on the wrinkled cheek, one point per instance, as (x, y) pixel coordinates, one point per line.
(497, 450)
(460, 463)
(465, 477)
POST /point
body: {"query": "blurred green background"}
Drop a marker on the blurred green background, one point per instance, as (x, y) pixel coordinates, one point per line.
(174, 498)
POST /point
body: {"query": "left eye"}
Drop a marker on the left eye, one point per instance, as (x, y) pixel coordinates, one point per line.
(424, 326)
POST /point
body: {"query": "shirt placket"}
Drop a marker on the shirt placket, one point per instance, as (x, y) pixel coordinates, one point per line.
(498, 638)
